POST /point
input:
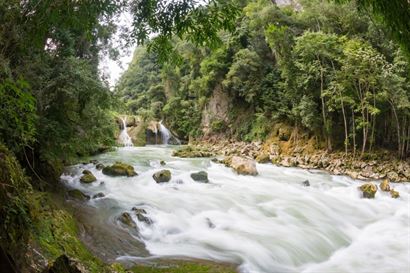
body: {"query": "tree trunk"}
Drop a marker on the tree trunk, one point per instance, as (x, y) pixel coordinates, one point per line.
(328, 141)
(354, 134)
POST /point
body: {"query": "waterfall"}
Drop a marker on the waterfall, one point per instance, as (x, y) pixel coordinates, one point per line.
(124, 137)
(165, 133)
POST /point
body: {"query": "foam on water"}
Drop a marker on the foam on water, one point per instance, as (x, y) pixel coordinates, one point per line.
(267, 223)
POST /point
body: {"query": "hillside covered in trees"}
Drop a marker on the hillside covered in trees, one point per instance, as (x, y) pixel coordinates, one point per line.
(325, 69)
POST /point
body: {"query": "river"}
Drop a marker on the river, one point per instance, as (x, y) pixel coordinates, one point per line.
(267, 223)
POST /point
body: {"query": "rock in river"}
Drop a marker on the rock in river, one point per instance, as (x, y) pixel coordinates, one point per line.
(243, 165)
(369, 190)
(126, 219)
(77, 194)
(200, 177)
(162, 176)
(140, 213)
(88, 177)
(119, 169)
(385, 185)
(394, 194)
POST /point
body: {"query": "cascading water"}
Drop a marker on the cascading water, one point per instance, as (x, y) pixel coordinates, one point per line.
(270, 223)
(165, 133)
(124, 137)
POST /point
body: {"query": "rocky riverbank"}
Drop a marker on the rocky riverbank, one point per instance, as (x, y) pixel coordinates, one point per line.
(379, 166)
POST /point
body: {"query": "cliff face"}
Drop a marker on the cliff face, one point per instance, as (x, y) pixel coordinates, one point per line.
(216, 110)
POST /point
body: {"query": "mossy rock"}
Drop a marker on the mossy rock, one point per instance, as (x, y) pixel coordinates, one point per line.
(394, 194)
(175, 266)
(191, 152)
(88, 178)
(369, 190)
(126, 219)
(201, 176)
(87, 172)
(77, 194)
(119, 169)
(385, 185)
(55, 232)
(162, 176)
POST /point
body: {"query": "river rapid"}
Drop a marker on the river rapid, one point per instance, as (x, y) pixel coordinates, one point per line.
(265, 224)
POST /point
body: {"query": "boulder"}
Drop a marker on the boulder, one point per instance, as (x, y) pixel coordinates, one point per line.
(385, 185)
(369, 190)
(200, 177)
(162, 176)
(126, 219)
(77, 194)
(119, 169)
(162, 163)
(394, 194)
(88, 177)
(243, 165)
(306, 183)
(100, 166)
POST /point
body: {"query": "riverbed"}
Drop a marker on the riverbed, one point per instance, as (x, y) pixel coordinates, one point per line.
(268, 223)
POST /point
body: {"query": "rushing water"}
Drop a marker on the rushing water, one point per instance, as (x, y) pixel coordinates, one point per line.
(268, 223)
(124, 138)
(165, 133)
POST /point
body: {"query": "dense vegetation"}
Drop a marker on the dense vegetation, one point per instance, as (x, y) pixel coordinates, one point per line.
(323, 68)
(326, 69)
(54, 104)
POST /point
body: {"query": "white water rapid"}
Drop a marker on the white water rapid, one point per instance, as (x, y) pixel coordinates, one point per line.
(269, 223)
(124, 137)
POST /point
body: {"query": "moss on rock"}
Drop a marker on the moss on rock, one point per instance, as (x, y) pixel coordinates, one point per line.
(162, 176)
(191, 151)
(77, 194)
(88, 178)
(56, 233)
(369, 190)
(119, 169)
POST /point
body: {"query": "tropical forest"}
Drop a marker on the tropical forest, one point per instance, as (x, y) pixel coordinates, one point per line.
(205, 136)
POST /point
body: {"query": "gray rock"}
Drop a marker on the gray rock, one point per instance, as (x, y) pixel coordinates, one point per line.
(200, 177)
(162, 176)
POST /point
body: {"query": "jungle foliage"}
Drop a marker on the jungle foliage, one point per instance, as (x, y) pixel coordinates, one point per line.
(324, 67)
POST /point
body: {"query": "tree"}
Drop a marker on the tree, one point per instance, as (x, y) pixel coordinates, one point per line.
(362, 72)
(316, 55)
